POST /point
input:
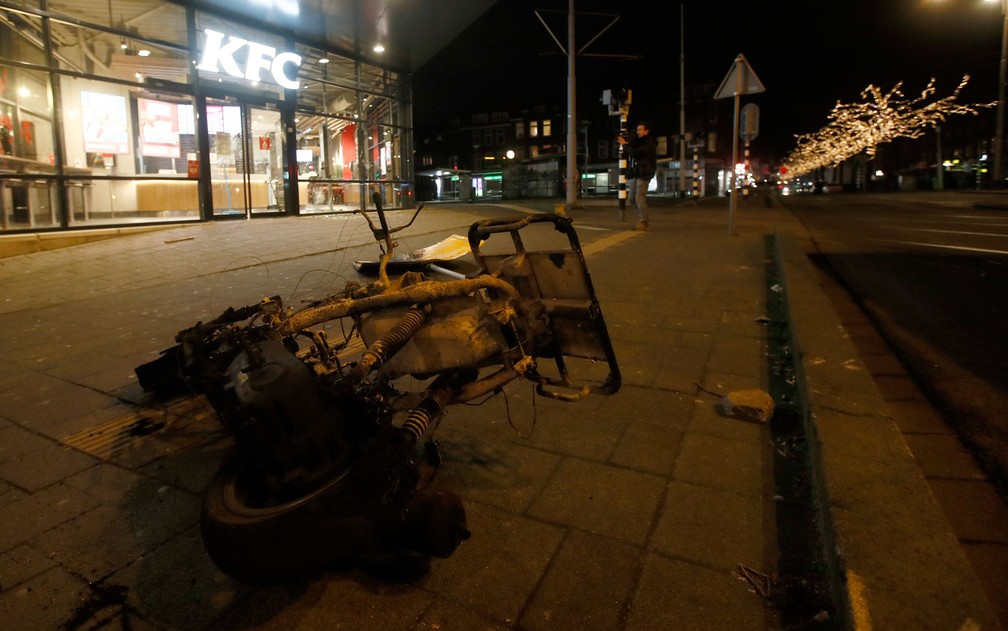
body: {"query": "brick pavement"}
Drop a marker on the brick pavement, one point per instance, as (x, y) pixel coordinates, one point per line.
(627, 512)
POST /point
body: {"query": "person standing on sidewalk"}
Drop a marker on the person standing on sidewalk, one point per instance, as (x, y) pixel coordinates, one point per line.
(644, 152)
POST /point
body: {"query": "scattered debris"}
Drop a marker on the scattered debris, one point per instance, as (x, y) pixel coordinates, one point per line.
(786, 447)
(180, 240)
(817, 620)
(708, 391)
(103, 604)
(969, 625)
(759, 583)
(144, 426)
(762, 320)
(752, 405)
(779, 591)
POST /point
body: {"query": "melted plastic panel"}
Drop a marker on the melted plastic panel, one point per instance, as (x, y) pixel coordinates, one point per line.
(545, 272)
(459, 332)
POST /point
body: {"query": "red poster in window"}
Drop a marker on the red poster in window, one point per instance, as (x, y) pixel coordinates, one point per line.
(193, 169)
(264, 143)
(28, 131)
(159, 129)
(348, 145)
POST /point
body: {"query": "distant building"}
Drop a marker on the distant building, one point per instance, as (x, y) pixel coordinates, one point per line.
(522, 153)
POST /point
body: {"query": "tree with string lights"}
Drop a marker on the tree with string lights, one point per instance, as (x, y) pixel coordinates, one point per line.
(879, 118)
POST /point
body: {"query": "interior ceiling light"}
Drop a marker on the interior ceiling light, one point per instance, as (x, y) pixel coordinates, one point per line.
(324, 60)
(122, 44)
(143, 52)
(378, 48)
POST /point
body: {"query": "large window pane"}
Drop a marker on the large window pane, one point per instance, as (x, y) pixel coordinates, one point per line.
(21, 38)
(126, 130)
(318, 65)
(127, 152)
(142, 19)
(27, 200)
(246, 158)
(384, 165)
(26, 150)
(327, 99)
(25, 115)
(379, 110)
(328, 170)
(107, 54)
(375, 79)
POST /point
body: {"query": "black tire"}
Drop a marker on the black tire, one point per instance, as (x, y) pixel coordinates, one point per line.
(260, 540)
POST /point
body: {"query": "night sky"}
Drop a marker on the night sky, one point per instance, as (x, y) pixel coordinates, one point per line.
(807, 53)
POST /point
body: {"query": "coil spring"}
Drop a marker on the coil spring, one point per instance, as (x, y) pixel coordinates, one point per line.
(420, 417)
(402, 332)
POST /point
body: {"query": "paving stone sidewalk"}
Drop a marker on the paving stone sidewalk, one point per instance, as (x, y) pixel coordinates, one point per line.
(625, 512)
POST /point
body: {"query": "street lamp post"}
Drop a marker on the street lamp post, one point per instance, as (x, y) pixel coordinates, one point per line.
(1002, 79)
(996, 179)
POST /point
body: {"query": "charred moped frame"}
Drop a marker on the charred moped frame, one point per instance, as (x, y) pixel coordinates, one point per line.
(333, 460)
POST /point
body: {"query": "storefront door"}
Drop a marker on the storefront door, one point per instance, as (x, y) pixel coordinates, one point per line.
(246, 159)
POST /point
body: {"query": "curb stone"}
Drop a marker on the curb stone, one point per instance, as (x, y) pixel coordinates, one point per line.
(873, 493)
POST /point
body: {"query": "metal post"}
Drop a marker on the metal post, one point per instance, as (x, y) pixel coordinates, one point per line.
(682, 103)
(696, 173)
(622, 160)
(572, 182)
(745, 171)
(1003, 78)
(733, 200)
(940, 183)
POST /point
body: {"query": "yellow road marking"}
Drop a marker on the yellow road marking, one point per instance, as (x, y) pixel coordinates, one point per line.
(858, 602)
(608, 241)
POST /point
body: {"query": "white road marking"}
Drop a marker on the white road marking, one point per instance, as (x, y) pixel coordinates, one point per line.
(524, 209)
(939, 246)
(966, 232)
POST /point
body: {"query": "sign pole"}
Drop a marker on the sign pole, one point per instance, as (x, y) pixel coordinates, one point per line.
(696, 173)
(745, 82)
(734, 160)
(745, 167)
(624, 109)
(573, 182)
(749, 123)
(682, 102)
(619, 105)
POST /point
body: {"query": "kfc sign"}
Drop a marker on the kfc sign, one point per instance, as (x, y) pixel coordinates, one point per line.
(219, 56)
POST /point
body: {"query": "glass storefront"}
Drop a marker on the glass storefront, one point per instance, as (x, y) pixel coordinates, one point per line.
(109, 114)
(246, 158)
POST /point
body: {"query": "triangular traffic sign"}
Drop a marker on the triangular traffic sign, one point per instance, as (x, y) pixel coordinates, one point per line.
(740, 80)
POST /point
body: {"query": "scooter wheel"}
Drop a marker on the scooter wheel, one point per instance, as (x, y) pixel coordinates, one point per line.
(257, 539)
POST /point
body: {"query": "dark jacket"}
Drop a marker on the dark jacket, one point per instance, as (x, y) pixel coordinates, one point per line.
(644, 151)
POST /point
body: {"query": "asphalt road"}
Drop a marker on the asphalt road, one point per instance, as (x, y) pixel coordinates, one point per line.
(931, 271)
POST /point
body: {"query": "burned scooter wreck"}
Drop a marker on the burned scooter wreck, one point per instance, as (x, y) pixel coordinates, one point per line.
(332, 405)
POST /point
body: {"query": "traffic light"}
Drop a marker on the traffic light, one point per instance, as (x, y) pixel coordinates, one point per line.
(617, 100)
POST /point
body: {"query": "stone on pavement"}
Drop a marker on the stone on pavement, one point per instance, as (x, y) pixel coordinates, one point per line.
(752, 405)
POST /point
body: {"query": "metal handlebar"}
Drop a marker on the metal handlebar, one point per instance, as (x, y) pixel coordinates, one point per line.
(384, 233)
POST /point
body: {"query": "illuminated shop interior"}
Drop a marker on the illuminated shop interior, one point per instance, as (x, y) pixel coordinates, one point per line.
(130, 111)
